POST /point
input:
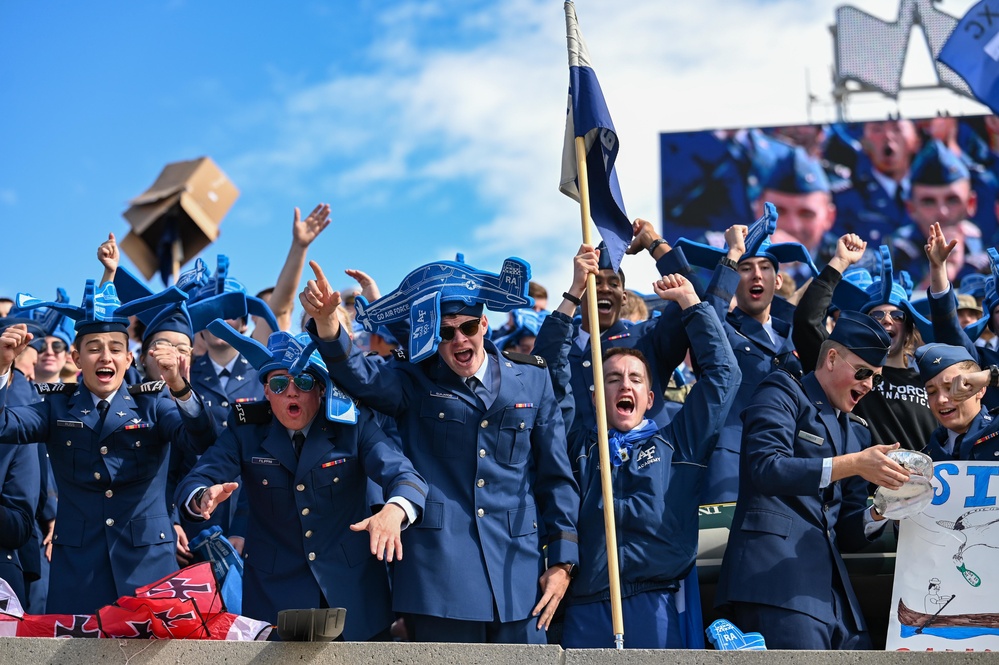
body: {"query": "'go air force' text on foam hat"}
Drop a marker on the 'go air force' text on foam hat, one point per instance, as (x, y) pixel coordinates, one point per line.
(439, 289)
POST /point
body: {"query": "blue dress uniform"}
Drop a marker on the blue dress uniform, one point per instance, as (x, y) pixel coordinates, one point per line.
(243, 387)
(500, 483)
(300, 551)
(757, 356)
(29, 554)
(866, 208)
(783, 551)
(655, 501)
(112, 533)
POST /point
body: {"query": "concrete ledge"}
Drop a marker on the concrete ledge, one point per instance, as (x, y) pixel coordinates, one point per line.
(32, 651)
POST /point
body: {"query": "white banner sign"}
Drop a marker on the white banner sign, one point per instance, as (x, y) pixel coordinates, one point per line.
(946, 592)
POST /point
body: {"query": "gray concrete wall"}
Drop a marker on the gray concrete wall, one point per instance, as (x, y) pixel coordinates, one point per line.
(33, 651)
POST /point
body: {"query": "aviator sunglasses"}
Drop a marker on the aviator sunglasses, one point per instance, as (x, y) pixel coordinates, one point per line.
(897, 315)
(468, 328)
(865, 373)
(304, 382)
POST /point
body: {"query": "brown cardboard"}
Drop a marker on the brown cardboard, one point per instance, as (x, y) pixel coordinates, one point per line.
(195, 193)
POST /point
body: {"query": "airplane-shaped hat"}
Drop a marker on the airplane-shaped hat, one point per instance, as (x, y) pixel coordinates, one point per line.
(446, 287)
(757, 245)
(99, 311)
(52, 322)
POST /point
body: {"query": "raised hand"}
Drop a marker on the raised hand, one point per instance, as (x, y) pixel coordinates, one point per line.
(676, 288)
(369, 289)
(307, 230)
(320, 302)
(109, 257)
(212, 497)
(735, 238)
(13, 340)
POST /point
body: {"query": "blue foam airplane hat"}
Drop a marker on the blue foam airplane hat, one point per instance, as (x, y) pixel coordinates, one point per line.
(757, 245)
(193, 302)
(98, 312)
(723, 634)
(973, 285)
(446, 287)
(935, 358)
(884, 290)
(294, 353)
(53, 322)
(798, 173)
(936, 164)
(990, 300)
(526, 323)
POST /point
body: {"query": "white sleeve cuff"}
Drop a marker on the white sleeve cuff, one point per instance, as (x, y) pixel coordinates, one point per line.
(826, 477)
(407, 507)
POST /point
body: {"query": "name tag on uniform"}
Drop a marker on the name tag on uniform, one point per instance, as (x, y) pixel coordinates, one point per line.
(69, 423)
(434, 393)
(811, 438)
(265, 460)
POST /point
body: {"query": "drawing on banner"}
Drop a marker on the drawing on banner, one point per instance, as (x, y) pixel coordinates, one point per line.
(946, 595)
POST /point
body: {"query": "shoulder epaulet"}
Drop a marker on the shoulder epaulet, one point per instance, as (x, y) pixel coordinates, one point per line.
(253, 413)
(525, 358)
(796, 379)
(857, 419)
(399, 353)
(146, 388)
(50, 388)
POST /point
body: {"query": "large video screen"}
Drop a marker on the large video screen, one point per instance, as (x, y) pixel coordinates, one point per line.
(827, 180)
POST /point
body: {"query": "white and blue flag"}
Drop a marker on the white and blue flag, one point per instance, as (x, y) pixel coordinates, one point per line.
(972, 51)
(587, 116)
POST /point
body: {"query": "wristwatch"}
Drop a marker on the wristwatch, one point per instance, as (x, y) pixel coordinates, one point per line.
(570, 568)
(994, 376)
(655, 244)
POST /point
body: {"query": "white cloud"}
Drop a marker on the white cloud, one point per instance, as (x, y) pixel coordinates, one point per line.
(491, 113)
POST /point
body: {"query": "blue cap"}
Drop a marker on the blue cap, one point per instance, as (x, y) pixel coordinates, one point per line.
(936, 164)
(935, 358)
(758, 245)
(863, 336)
(98, 313)
(798, 173)
(37, 332)
(295, 354)
(858, 276)
(446, 287)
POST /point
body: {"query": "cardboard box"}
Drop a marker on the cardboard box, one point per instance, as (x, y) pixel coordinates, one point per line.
(193, 196)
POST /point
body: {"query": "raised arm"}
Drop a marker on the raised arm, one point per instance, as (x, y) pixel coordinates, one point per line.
(109, 257)
(282, 300)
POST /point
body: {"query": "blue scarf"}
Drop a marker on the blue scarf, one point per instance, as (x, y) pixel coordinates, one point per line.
(621, 443)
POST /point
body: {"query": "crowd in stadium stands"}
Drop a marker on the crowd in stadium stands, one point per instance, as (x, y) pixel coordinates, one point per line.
(441, 479)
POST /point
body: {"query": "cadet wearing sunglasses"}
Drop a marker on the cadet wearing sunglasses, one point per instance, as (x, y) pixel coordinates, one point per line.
(501, 487)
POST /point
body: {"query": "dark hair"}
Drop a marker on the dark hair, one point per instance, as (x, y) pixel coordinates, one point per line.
(634, 353)
(535, 290)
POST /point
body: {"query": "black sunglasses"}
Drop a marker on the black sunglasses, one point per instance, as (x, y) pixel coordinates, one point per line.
(278, 384)
(865, 373)
(57, 346)
(468, 328)
(897, 315)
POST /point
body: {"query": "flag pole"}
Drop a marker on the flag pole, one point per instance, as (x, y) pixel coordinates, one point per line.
(599, 404)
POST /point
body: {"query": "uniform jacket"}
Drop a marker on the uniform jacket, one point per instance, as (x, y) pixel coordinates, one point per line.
(866, 208)
(243, 387)
(656, 490)
(20, 392)
(980, 443)
(112, 530)
(757, 357)
(786, 537)
(299, 546)
(500, 483)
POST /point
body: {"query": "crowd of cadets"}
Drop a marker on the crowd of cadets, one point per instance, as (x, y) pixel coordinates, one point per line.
(457, 497)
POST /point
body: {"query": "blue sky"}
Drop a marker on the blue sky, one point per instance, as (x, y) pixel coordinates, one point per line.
(430, 127)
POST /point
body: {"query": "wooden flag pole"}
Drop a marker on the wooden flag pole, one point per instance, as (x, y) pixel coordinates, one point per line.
(599, 404)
